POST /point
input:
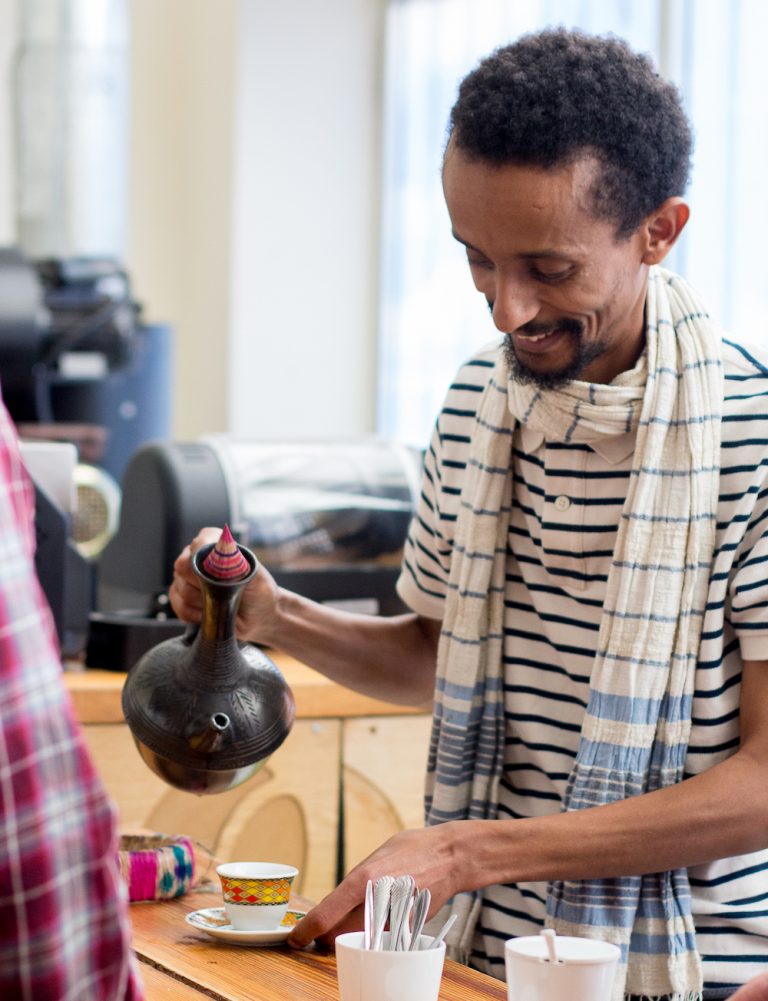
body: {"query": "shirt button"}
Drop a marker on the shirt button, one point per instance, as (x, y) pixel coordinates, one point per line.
(562, 503)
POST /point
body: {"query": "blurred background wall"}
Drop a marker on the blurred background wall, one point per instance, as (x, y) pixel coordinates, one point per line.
(253, 202)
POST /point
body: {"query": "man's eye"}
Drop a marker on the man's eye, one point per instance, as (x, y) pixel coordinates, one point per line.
(476, 261)
(550, 276)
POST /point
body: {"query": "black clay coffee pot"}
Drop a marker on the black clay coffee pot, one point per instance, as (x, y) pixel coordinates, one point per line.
(205, 710)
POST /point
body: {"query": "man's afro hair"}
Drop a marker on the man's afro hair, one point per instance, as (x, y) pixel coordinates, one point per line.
(557, 95)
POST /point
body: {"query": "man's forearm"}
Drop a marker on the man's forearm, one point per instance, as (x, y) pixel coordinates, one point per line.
(714, 815)
(390, 658)
(720, 813)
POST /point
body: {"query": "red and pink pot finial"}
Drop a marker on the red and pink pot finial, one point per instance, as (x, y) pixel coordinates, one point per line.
(225, 561)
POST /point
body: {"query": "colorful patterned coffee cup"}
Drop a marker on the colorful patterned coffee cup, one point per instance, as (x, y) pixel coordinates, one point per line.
(256, 893)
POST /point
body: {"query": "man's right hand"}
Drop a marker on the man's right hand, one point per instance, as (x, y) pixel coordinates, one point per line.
(257, 609)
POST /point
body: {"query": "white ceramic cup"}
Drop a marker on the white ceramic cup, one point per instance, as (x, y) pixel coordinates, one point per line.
(256, 893)
(381, 975)
(584, 971)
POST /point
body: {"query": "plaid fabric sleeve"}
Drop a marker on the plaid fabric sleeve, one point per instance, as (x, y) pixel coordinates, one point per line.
(64, 930)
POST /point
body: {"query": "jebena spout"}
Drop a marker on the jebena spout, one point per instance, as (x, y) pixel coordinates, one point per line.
(211, 738)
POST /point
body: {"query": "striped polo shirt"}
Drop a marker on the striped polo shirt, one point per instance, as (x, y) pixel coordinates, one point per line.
(567, 504)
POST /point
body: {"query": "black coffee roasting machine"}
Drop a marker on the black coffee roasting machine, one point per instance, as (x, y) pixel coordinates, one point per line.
(327, 518)
(78, 362)
(80, 366)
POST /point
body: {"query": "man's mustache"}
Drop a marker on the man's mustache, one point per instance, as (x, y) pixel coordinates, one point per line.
(535, 329)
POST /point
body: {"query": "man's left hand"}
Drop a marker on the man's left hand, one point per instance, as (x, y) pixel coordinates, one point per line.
(429, 855)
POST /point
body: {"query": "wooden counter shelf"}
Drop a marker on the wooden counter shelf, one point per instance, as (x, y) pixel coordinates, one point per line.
(349, 775)
(96, 694)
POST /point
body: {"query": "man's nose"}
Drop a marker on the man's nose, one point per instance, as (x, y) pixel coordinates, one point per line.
(514, 305)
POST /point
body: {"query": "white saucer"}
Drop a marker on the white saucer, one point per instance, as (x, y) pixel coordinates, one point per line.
(213, 921)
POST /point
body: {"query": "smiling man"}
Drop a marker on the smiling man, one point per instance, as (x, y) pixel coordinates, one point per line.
(586, 567)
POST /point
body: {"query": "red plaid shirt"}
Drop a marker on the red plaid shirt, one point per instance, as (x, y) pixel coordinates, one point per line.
(64, 931)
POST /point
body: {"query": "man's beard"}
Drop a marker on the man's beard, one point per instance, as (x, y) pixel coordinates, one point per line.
(583, 355)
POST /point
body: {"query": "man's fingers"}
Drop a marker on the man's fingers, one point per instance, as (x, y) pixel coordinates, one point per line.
(185, 594)
(205, 537)
(186, 600)
(337, 913)
(352, 922)
(310, 928)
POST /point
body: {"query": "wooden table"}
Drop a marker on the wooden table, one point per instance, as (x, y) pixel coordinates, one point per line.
(179, 963)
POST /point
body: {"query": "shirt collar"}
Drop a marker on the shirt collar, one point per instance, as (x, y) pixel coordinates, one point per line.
(614, 450)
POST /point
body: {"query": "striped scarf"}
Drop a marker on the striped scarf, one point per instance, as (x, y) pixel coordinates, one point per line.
(637, 723)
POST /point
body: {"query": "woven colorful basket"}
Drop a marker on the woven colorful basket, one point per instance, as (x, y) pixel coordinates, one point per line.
(160, 866)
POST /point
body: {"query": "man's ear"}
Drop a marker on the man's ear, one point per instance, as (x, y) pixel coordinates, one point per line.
(662, 228)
